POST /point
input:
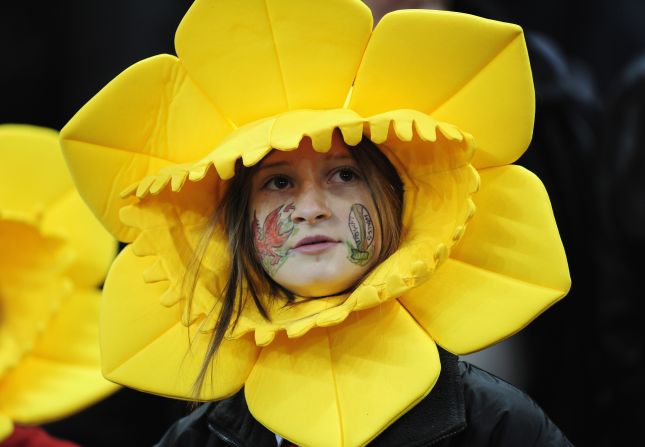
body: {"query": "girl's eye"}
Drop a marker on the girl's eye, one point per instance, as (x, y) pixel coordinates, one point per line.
(278, 182)
(344, 175)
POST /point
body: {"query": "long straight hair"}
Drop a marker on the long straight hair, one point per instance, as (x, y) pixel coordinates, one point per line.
(247, 279)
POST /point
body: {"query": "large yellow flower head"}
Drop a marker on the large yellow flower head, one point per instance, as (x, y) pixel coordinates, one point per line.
(154, 150)
(54, 254)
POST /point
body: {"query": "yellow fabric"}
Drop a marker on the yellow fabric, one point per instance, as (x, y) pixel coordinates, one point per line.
(346, 373)
(54, 255)
(32, 287)
(491, 288)
(434, 158)
(25, 160)
(6, 427)
(260, 75)
(174, 123)
(130, 348)
(274, 51)
(465, 70)
(60, 375)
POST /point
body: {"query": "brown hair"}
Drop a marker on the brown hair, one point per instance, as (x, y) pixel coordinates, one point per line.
(247, 279)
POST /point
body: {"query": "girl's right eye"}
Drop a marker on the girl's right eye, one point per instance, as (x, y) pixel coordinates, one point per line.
(278, 182)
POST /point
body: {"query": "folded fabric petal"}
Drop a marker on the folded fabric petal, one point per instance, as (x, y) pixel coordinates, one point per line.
(32, 287)
(61, 374)
(94, 248)
(465, 70)
(6, 427)
(279, 57)
(169, 121)
(343, 385)
(37, 188)
(139, 334)
(32, 172)
(508, 268)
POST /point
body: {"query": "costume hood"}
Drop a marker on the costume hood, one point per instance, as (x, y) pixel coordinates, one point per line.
(447, 97)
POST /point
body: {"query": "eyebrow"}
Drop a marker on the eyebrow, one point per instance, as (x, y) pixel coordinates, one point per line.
(326, 156)
(272, 165)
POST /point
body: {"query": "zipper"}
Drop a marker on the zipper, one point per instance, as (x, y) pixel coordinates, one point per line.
(447, 435)
(226, 437)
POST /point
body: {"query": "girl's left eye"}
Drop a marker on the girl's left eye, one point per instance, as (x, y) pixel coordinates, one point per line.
(344, 175)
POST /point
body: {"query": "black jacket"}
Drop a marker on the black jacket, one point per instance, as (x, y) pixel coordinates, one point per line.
(468, 407)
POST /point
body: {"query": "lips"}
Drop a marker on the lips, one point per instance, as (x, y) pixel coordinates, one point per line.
(314, 244)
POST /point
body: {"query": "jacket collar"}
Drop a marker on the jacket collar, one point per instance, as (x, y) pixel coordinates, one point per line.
(438, 416)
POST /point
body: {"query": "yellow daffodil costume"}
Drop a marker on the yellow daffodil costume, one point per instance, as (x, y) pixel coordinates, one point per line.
(447, 97)
(54, 254)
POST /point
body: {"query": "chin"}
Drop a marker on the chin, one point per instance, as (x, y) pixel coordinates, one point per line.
(319, 285)
(319, 276)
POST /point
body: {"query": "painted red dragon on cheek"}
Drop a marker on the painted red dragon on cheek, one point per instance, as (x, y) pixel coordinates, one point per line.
(270, 238)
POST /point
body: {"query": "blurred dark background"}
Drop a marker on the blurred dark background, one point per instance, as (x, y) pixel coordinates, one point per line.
(582, 361)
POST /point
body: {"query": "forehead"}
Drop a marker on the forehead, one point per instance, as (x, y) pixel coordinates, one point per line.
(305, 152)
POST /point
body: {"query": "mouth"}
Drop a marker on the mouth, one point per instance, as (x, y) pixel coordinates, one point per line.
(314, 244)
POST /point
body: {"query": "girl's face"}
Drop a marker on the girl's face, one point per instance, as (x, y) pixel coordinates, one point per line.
(313, 220)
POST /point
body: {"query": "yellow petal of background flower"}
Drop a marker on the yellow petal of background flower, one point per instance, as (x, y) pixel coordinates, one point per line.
(282, 55)
(33, 175)
(343, 385)
(140, 332)
(62, 373)
(150, 116)
(35, 181)
(6, 427)
(464, 70)
(94, 247)
(32, 287)
(507, 269)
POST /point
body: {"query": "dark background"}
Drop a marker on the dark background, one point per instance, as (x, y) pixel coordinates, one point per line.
(584, 357)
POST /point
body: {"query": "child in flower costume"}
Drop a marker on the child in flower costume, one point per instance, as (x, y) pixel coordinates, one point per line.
(277, 112)
(54, 255)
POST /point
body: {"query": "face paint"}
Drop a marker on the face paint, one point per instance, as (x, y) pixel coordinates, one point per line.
(362, 229)
(325, 198)
(270, 239)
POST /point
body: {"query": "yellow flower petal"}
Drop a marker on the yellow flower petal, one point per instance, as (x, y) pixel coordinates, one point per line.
(6, 427)
(41, 391)
(35, 181)
(33, 175)
(142, 334)
(256, 58)
(32, 287)
(73, 334)
(465, 70)
(94, 247)
(342, 386)
(508, 267)
(61, 375)
(168, 121)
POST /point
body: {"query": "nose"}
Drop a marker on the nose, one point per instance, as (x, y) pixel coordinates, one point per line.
(311, 205)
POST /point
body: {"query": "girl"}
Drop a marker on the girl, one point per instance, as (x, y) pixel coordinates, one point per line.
(304, 232)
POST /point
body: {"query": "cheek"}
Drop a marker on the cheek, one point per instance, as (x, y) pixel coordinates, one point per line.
(270, 233)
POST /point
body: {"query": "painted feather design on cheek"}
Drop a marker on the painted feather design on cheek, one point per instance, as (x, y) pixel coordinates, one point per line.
(272, 235)
(362, 228)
